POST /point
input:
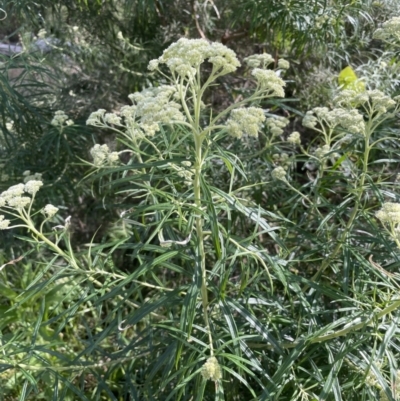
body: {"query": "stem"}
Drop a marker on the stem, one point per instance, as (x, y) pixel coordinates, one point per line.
(198, 140)
(327, 261)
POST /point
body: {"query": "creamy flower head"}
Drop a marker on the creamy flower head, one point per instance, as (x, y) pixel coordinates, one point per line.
(28, 176)
(390, 213)
(19, 202)
(283, 64)
(245, 121)
(390, 29)
(185, 56)
(349, 120)
(279, 173)
(4, 223)
(32, 186)
(259, 60)
(276, 124)
(101, 155)
(269, 80)
(211, 369)
(60, 118)
(294, 138)
(50, 210)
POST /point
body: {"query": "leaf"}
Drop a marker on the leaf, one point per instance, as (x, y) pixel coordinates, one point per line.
(348, 80)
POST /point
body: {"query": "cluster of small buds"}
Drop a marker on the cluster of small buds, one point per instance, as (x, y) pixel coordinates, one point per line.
(50, 210)
(321, 20)
(349, 120)
(4, 223)
(279, 173)
(381, 102)
(257, 60)
(282, 159)
(294, 138)
(185, 56)
(211, 369)
(60, 118)
(96, 118)
(28, 176)
(42, 33)
(245, 121)
(184, 172)
(322, 151)
(268, 80)
(13, 198)
(283, 64)
(351, 98)
(276, 124)
(102, 155)
(390, 29)
(154, 105)
(390, 213)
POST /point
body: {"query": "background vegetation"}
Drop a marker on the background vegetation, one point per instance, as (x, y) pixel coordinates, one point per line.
(302, 278)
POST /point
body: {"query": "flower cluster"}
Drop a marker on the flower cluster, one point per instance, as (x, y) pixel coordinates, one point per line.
(155, 105)
(294, 138)
(268, 80)
(276, 124)
(211, 369)
(185, 56)
(245, 121)
(321, 152)
(50, 210)
(377, 100)
(349, 120)
(151, 107)
(102, 155)
(28, 176)
(257, 60)
(60, 118)
(184, 172)
(14, 198)
(390, 213)
(390, 29)
(279, 173)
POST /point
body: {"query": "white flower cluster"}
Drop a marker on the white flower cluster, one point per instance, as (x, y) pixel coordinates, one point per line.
(390, 213)
(245, 121)
(102, 155)
(349, 120)
(321, 152)
(154, 105)
(60, 118)
(294, 138)
(151, 107)
(283, 64)
(4, 223)
(269, 81)
(28, 176)
(257, 60)
(390, 29)
(184, 172)
(279, 173)
(185, 56)
(211, 369)
(377, 100)
(50, 210)
(276, 124)
(13, 198)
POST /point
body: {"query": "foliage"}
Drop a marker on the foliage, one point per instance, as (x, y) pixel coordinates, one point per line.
(247, 250)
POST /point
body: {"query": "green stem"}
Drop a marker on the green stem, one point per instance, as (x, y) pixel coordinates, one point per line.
(327, 261)
(200, 235)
